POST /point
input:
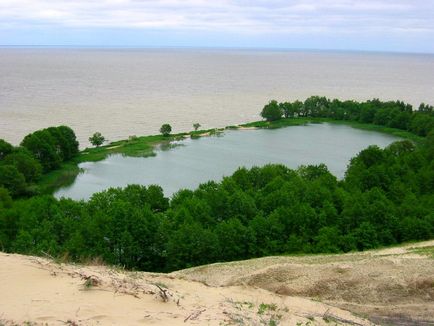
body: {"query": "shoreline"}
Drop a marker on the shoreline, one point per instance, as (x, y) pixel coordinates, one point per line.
(144, 146)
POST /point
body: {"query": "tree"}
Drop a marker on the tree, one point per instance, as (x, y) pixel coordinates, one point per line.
(272, 111)
(12, 180)
(25, 163)
(425, 108)
(315, 106)
(5, 198)
(5, 148)
(67, 141)
(196, 126)
(97, 139)
(166, 129)
(43, 147)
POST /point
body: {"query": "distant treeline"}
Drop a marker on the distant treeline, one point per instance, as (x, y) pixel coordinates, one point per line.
(386, 197)
(393, 114)
(40, 152)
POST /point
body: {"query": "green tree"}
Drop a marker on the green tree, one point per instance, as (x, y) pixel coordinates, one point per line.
(191, 245)
(97, 139)
(315, 106)
(272, 111)
(327, 240)
(66, 141)
(5, 198)
(12, 180)
(43, 147)
(25, 163)
(5, 148)
(166, 129)
(196, 126)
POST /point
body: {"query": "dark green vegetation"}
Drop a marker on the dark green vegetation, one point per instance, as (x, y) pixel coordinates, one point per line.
(196, 126)
(97, 139)
(398, 115)
(272, 111)
(40, 152)
(386, 197)
(166, 129)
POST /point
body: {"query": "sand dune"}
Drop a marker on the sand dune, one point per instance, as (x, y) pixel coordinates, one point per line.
(393, 284)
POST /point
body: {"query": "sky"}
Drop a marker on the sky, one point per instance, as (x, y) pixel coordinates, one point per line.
(370, 25)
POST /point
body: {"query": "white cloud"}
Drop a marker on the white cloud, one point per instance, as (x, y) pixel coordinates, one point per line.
(279, 16)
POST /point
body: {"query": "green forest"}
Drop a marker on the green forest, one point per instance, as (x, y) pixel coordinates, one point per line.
(386, 198)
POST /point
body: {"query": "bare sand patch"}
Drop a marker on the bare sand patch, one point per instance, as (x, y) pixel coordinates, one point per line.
(39, 291)
(392, 285)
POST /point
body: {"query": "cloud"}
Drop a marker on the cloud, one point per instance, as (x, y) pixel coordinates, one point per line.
(381, 25)
(242, 16)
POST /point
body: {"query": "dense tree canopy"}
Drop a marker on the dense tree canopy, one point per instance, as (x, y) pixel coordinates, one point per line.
(25, 163)
(386, 197)
(97, 139)
(166, 129)
(272, 111)
(394, 114)
(51, 146)
(12, 179)
(40, 152)
(5, 148)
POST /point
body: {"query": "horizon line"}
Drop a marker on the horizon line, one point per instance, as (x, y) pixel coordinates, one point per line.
(205, 47)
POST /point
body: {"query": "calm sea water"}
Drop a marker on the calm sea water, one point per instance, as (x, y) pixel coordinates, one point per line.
(123, 92)
(211, 158)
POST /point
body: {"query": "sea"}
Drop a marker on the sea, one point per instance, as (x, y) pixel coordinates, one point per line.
(122, 92)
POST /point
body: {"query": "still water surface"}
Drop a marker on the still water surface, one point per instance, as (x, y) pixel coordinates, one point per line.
(211, 158)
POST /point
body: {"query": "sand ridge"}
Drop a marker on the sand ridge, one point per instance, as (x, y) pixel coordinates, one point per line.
(392, 286)
(308, 290)
(39, 292)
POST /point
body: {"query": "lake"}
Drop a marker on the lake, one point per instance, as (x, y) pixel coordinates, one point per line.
(194, 161)
(124, 92)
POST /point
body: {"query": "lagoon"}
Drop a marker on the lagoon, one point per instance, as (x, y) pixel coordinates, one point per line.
(188, 163)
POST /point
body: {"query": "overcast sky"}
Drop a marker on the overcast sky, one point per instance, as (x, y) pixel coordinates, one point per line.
(378, 25)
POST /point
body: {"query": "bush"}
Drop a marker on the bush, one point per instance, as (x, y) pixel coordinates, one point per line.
(166, 129)
(272, 111)
(12, 180)
(25, 164)
(97, 139)
(5, 148)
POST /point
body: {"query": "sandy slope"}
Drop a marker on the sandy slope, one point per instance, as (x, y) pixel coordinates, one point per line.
(392, 286)
(284, 290)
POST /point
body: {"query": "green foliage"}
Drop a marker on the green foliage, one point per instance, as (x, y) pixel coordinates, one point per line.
(392, 114)
(166, 129)
(5, 148)
(41, 152)
(12, 179)
(43, 147)
(272, 111)
(97, 139)
(51, 146)
(386, 197)
(5, 198)
(196, 126)
(255, 212)
(67, 141)
(25, 164)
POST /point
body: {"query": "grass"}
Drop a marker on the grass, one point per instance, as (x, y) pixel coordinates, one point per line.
(144, 146)
(428, 251)
(264, 307)
(59, 178)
